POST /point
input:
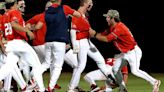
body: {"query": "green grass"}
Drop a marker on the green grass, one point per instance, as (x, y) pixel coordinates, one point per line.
(135, 84)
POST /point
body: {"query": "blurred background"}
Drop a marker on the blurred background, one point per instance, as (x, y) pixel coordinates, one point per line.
(143, 19)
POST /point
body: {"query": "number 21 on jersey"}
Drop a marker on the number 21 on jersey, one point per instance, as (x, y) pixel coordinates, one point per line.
(8, 29)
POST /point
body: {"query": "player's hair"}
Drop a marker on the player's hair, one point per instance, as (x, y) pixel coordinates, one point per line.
(2, 11)
(9, 5)
(117, 19)
(54, 1)
(82, 2)
(19, 0)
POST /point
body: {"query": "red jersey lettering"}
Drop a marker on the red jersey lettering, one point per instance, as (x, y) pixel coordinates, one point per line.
(9, 32)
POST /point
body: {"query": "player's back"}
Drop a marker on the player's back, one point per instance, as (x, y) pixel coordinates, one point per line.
(40, 33)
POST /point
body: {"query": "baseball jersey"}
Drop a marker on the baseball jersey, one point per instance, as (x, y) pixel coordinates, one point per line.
(82, 25)
(122, 37)
(9, 32)
(39, 34)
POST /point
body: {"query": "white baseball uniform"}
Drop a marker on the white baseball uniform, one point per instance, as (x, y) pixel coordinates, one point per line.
(82, 41)
(95, 75)
(130, 51)
(56, 39)
(17, 48)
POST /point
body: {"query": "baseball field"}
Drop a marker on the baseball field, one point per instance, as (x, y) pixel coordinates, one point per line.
(135, 84)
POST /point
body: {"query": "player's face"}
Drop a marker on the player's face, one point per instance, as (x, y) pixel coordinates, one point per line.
(21, 6)
(60, 1)
(89, 5)
(109, 20)
(48, 4)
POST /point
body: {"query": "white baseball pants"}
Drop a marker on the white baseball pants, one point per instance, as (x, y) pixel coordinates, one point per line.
(21, 49)
(95, 75)
(84, 50)
(133, 57)
(54, 54)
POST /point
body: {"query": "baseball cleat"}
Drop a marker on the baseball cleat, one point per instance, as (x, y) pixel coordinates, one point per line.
(156, 86)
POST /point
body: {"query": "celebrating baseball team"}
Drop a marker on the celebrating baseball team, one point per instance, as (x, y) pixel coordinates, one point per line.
(45, 41)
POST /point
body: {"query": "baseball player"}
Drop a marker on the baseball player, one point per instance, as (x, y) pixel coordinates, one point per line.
(24, 67)
(120, 34)
(96, 75)
(4, 86)
(38, 26)
(17, 47)
(82, 45)
(2, 11)
(56, 38)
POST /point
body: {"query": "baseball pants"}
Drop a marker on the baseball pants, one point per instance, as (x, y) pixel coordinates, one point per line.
(54, 54)
(133, 57)
(26, 53)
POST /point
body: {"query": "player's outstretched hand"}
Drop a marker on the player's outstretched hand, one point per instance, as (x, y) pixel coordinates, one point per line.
(92, 32)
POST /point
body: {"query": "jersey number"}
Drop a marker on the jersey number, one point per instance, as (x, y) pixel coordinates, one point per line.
(8, 29)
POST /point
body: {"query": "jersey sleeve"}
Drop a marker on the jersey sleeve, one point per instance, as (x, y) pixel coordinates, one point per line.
(32, 20)
(68, 10)
(114, 34)
(41, 19)
(105, 32)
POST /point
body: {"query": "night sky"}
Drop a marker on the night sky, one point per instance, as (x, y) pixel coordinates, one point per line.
(143, 19)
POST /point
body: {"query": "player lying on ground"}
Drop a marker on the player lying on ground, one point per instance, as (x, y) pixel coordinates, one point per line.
(97, 75)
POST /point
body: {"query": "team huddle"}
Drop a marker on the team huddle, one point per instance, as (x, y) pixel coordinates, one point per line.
(45, 41)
